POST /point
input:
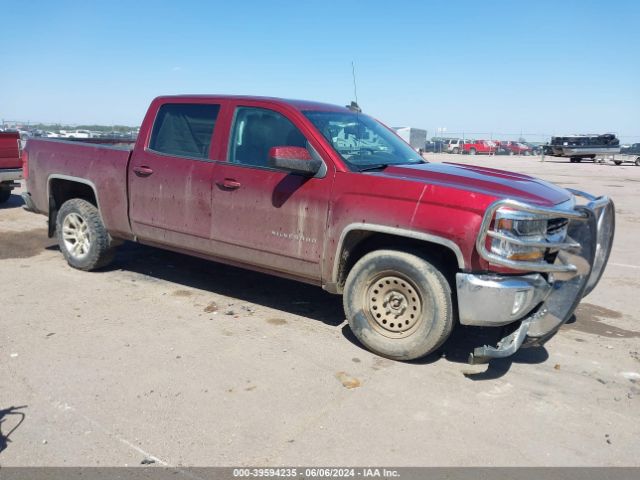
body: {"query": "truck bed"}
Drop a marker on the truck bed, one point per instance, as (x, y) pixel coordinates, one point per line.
(103, 168)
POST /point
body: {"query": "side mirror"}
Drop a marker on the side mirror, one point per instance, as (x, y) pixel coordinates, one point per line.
(294, 160)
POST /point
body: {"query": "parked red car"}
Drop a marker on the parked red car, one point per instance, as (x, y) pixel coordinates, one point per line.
(329, 196)
(515, 148)
(10, 163)
(474, 147)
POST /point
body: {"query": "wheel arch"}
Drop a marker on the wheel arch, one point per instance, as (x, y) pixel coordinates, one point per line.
(61, 188)
(358, 239)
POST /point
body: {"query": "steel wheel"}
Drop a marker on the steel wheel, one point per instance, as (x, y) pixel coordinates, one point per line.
(394, 306)
(398, 304)
(76, 236)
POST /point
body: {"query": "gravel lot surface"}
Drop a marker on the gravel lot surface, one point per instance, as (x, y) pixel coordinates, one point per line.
(181, 361)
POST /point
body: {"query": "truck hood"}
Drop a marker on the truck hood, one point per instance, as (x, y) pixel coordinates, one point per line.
(489, 181)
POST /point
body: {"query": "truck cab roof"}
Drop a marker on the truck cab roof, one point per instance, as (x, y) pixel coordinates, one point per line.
(301, 105)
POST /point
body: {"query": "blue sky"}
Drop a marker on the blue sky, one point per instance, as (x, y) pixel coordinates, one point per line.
(477, 66)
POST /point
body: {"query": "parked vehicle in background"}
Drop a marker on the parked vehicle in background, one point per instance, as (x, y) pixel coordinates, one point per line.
(628, 154)
(434, 146)
(579, 147)
(498, 147)
(10, 163)
(476, 147)
(515, 148)
(416, 137)
(24, 134)
(454, 145)
(76, 134)
(289, 188)
(536, 149)
(631, 149)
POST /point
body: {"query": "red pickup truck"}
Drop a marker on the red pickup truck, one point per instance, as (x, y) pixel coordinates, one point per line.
(10, 163)
(329, 196)
(475, 147)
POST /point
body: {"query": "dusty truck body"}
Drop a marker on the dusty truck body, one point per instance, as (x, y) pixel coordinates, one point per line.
(328, 196)
(10, 163)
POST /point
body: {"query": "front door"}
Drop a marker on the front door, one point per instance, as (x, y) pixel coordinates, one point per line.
(264, 216)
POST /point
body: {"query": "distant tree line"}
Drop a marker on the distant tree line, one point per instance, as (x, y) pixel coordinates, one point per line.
(53, 127)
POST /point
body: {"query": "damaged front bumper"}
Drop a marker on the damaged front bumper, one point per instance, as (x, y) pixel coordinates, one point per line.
(538, 303)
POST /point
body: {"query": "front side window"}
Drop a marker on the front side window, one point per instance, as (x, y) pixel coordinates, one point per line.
(184, 129)
(361, 141)
(256, 131)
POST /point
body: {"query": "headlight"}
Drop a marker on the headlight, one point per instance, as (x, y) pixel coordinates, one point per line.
(524, 228)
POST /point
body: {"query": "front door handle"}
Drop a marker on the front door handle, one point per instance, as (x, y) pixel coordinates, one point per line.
(142, 171)
(229, 184)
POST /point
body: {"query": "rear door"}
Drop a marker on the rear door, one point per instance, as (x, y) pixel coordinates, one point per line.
(265, 216)
(170, 180)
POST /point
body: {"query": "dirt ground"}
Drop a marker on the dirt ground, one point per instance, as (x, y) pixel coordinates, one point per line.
(174, 360)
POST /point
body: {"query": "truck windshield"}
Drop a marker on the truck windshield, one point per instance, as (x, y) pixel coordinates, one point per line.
(361, 141)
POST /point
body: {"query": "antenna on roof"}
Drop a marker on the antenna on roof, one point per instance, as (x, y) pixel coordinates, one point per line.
(353, 106)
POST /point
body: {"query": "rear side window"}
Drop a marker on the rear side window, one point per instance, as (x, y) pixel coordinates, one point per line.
(184, 129)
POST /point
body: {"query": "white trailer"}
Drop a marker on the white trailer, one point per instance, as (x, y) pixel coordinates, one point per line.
(416, 137)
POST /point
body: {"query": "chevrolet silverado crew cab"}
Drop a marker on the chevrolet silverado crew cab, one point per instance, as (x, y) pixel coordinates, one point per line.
(330, 196)
(10, 163)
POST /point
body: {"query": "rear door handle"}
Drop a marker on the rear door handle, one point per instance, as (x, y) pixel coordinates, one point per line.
(229, 184)
(142, 171)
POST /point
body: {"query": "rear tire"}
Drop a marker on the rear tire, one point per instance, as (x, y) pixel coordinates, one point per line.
(637, 162)
(82, 237)
(472, 151)
(618, 162)
(5, 194)
(456, 150)
(398, 304)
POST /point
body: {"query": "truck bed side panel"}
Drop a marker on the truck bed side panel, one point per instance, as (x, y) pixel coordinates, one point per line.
(104, 168)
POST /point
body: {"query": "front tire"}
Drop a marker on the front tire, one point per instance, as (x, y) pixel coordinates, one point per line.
(398, 304)
(472, 151)
(82, 237)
